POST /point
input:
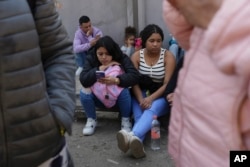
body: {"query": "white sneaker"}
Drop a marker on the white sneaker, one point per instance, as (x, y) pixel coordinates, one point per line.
(136, 147)
(126, 124)
(78, 71)
(89, 128)
(123, 138)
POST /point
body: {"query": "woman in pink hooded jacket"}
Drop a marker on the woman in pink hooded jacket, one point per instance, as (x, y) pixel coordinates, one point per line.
(211, 110)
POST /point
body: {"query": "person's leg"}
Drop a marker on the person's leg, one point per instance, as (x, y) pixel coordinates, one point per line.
(88, 101)
(136, 108)
(80, 58)
(143, 125)
(159, 108)
(124, 105)
(137, 111)
(124, 138)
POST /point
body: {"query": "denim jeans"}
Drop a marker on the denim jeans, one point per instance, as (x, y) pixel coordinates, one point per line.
(80, 58)
(90, 102)
(143, 119)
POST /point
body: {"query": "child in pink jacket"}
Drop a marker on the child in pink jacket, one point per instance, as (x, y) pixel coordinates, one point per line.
(211, 110)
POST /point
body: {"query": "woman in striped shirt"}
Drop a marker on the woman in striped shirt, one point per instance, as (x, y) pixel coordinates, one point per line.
(156, 66)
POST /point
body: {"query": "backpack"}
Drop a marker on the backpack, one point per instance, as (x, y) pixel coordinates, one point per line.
(108, 94)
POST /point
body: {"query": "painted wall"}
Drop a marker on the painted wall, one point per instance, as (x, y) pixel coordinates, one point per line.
(154, 15)
(112, 16)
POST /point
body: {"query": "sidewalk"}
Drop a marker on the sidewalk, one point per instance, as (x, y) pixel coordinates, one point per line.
(100, 149)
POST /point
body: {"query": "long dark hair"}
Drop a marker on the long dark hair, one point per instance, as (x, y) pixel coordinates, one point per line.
(148, 31)
(111, 46)
(84, 19)
(129, 31)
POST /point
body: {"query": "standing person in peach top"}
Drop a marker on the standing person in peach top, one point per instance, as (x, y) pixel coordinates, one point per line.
(211, 109)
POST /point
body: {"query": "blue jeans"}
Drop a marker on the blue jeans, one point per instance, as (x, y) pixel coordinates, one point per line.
(143, 119)
(90, 102)
(80, 58)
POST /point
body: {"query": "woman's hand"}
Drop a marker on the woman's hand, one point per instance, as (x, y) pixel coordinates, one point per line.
(169, 98)
(146, 103)
(90, 32)
(109, 80)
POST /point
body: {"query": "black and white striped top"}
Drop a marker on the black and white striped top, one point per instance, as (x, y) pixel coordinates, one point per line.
(157, 71)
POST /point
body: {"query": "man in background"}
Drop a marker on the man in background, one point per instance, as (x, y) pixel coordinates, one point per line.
(86, 37)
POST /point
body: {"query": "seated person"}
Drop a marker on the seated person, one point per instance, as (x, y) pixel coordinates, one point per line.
(156, 64)
(85, 38)
(129, 43)
(169, 91)
(107, 53)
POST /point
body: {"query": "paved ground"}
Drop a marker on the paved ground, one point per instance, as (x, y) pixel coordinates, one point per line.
(100, 150)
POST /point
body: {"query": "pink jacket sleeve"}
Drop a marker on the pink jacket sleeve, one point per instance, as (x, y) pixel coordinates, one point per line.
(245, 123)
(177, 24)
(229, 42)
(228, 37)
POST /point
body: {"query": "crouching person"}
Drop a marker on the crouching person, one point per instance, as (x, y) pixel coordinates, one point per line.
(111, 89)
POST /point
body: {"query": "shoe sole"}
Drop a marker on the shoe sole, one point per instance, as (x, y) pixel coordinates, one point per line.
(89, 133)
(137, 149)
(122, 142)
